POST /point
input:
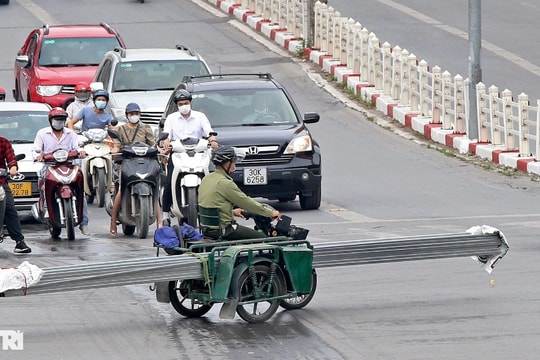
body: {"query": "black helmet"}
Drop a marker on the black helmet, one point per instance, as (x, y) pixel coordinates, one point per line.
(101, 93)
(223, 153)
(182, 95)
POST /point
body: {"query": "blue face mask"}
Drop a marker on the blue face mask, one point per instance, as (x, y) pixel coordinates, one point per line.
(100, 104)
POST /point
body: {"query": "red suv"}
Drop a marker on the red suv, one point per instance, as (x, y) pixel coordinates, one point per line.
(54, 58)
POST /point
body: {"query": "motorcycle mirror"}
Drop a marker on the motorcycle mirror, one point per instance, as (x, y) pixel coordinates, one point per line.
(213, 133)
(19, 157)
(114, 122)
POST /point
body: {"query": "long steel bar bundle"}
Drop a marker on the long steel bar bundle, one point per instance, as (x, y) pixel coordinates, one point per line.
(330, 254)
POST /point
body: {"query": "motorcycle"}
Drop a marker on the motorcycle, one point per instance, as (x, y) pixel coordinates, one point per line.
(4, 173)
(140, 180)
(62, 188)
(191, 161)
(97, 166)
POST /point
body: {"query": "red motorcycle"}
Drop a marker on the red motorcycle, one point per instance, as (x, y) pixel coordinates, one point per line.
(63, 189)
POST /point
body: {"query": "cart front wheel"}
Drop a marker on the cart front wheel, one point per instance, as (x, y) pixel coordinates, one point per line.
(179, 292)
(254, 303)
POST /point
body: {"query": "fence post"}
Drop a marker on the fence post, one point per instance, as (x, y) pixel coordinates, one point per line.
(459, 105)
(446, 101)
(436, 89)
(523, 104)
(482, 115)
(386, 67)
(397, 69)
(356, 53)
(507, 118)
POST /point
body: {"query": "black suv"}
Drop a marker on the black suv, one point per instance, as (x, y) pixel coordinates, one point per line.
(255, 113)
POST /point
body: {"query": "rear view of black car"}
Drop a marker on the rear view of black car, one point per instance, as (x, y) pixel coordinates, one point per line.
(255, 113)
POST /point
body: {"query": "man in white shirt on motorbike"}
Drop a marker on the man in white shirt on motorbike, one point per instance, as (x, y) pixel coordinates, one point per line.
(180, 125)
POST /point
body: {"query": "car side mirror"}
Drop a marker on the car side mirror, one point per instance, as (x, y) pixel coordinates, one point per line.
(311, 117)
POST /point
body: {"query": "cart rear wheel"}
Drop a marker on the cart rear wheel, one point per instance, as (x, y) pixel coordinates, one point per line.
(128, 229)
(262, 310)
(179, 292)
(300, 301)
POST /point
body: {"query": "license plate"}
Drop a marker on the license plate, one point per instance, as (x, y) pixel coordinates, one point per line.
(255, 176)
(20, 189)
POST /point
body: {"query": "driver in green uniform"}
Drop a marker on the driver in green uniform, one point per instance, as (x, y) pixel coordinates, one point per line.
(218, 190)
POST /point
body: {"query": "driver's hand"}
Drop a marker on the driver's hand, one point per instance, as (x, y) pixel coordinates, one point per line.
(39, 158)
(13, 171)
(238, 212)
(82, 154)
(275, 214)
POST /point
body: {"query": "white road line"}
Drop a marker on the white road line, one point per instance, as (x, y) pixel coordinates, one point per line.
(37, 11)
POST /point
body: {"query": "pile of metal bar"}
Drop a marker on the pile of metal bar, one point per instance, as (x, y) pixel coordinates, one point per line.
(360, 252)
(331, 254)
(114, 273)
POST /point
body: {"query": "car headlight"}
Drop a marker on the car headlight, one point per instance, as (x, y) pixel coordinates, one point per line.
(299, 144)
(119, 114)
(48, 90)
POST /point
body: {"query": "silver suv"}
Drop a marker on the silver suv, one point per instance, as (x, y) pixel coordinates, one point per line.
(145, 76)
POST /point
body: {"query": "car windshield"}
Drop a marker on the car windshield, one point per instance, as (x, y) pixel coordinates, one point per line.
(154, 75)
(75, 51)
(22, 126)
(245, 107)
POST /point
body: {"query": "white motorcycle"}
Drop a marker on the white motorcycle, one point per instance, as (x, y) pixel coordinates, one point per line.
(96, 166)
(191, 160)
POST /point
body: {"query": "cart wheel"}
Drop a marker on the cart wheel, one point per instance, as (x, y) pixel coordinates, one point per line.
(262, 310)
(179, 292)
(300, 301)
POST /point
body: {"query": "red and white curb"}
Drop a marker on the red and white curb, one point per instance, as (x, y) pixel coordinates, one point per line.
(383, 103)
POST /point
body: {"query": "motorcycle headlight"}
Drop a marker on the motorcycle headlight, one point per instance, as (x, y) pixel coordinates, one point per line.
(48, 90)
(60, 155)
(119, 114)
(140, 150)
(96, 135)
(299, 144)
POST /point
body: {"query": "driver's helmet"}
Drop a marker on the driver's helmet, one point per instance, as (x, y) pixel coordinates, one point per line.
(132, 107)
(223, 154)
(82, 91)
(58, 113)
(182, 94)
(104, 93)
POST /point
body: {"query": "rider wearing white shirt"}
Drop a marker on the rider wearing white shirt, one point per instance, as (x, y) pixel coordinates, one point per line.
(180, 125)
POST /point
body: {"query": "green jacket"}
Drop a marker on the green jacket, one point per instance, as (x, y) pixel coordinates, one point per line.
(218, 190)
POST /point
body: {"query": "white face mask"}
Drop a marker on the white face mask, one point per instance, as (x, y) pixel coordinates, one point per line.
(184, 109)
(57, 124)
(134, 119)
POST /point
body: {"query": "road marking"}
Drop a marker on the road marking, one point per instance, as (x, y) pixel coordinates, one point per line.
(37, 11)
(513, 58)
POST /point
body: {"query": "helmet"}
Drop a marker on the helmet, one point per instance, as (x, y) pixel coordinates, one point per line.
(101, 93)
(85, 89)
(2, 94)
(182, 95)
(82, 86)
(58, 113)
(222, 154)
(131, 107)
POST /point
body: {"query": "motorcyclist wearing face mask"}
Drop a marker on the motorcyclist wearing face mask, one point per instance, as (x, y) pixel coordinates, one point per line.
(218, 190)
(93, 117)
(57, 136)
(132, 131)
(82, 99)
(179, 125)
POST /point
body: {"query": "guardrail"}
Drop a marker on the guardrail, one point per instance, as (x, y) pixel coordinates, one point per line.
(393, 73)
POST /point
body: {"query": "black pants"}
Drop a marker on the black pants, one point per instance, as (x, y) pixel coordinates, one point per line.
(236, 232)
(11, 217)
(167, 193)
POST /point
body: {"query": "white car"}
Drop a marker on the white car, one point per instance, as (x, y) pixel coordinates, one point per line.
(146, 77)
(19, 123)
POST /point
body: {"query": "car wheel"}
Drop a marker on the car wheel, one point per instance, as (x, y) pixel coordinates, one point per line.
(311, 202)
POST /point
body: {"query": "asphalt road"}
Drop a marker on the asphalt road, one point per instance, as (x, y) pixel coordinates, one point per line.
(376, 185)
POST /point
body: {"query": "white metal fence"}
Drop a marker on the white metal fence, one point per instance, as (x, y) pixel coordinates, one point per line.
(512, 124)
